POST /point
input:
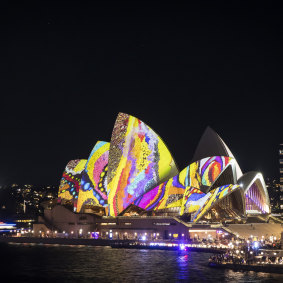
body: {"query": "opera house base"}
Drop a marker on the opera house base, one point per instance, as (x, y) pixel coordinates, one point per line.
(62, 222)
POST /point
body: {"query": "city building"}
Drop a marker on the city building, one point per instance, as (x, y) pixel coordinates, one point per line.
(273, 188)
(134, 179)
(281, 176)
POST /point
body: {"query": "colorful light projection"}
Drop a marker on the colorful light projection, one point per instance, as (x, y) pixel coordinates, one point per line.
(70, 182)
(203, 173)
(174, 192)
(138, 161)
(93, 189)
(193, 200)
(213, 197)
(166, 195)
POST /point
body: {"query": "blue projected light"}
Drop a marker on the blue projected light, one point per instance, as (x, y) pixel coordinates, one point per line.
(86, 186)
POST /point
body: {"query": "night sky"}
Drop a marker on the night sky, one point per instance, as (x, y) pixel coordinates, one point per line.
(68, 69)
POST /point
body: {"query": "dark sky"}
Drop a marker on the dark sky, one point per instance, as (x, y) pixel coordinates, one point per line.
(67, 70)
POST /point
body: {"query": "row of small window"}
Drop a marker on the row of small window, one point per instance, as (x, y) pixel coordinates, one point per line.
(129, 223)
(113, 223)
(79, 223)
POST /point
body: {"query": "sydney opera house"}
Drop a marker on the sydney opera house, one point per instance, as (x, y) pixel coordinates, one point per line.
(134, 176)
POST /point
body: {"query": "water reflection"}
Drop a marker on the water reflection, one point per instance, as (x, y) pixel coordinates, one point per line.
(183, 264)
(40, 263)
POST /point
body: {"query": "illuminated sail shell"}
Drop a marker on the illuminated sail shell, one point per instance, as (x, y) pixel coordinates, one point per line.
(93, 188)
(198, 175)
(70, 182)
(213, 197)
(138, 161)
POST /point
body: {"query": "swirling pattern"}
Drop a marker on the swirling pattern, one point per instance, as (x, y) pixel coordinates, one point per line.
(198, 175)
(93, 187)
(138, 161)
(70, 182)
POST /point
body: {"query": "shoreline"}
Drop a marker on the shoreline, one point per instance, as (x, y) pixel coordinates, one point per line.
(60, 241)
(120, 244)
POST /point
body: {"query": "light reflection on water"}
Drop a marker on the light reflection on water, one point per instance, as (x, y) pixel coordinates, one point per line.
(53, 263)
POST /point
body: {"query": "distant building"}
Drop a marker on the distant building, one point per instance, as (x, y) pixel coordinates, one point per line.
(23, 203)
(281, 175)
(273, 188)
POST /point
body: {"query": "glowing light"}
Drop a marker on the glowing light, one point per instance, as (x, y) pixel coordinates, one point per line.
(256, 245)
(182, 247)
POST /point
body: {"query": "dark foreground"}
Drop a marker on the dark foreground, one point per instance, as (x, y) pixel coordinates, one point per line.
(56, 263)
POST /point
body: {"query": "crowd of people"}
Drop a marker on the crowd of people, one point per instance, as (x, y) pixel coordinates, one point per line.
(245, 257)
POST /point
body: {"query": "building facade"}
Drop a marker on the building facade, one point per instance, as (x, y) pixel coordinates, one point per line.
(135, 176)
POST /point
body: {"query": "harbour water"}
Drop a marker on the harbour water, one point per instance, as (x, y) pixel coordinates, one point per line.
(54, 263)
